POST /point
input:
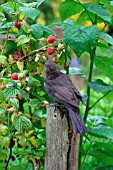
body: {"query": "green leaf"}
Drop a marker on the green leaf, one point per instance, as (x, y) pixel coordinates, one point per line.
(105, 66)
(30, 12)
(34, 102)
(107, 4)
(20, 65)
(99, 86)
(23, 39)
(14, 102)
(104, 146)
(34, 141)
(73, 71)
(30, 5)
(48, 30)
(10, 47)
(80, 38)
(10, 92)
(103, 131)
(103, 156)
(21, 122)
(33, 82)
(3, 129)
(99, 10)
(106, 37)
(2, 15)
(40, 2)
(3, 60)
(8, 25)
(24, 94)
(69, 8)
(37, 30)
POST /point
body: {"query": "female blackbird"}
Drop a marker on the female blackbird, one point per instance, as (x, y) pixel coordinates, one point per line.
(61, 89)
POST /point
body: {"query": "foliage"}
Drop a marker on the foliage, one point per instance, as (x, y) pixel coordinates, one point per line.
(22, 101)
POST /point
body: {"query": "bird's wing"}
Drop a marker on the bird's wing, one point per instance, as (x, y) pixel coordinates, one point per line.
(65, 93)
(69, 83)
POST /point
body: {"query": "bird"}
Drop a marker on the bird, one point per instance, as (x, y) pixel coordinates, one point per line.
(60, 88)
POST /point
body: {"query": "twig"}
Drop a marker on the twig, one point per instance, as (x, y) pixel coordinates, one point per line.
(99, 100)
(10, 156)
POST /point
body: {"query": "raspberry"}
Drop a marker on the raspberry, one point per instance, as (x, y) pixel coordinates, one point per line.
(50, 51)
(14, 76)
(51, 39)
(17, 24)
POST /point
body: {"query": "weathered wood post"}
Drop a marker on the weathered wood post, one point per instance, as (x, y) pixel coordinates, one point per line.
(62, 147)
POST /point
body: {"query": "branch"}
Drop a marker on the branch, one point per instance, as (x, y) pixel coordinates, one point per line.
(10, 156)
(99, 100)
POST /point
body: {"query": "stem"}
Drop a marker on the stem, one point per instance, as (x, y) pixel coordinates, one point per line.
(99, 100)
(92, 55)
(86, 11)
(10, 156)
(89, 80)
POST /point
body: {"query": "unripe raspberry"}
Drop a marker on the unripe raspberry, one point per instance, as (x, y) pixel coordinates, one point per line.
(11, 110)
(51, 39)
(28, 88)
(21, 76)
(60, 47)
(37, 57)
(14, 76)
(50, 51)
(17, 24)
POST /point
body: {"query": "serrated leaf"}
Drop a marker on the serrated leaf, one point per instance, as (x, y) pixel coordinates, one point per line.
(43, 122)
(20, 65)
(99, 10)
(30, 12)
(2, 15)
(2, 98)
(80, 38)
(3, 129)
(10, 92)
(99, 86)
(48, 30)
(4, 141)
(34, 102)
(106, 37)
(8, 25)
(37, 30)
(24, 94)
(21, 122)
(14, 102)
(103, 156)
(3, 60)
(69, 4)
(73, 71)
(33, 82)
(40, 2)
(105, 66)
(30, 5)
(105, 132)
(34, 141)
(22, 141)
(23, 39)
(10, 47)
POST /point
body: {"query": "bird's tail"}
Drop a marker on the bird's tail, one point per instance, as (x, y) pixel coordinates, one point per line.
(76, 119)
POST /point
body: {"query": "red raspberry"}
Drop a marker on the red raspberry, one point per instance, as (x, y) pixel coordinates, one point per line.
(17, 24)
(14, 76)
(51, 39)
(50, 51)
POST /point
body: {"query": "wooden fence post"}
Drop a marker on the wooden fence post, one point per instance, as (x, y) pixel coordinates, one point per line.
(62, 147)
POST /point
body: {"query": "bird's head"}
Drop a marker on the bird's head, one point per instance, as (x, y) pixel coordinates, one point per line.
(50, 66)
(51, 69)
